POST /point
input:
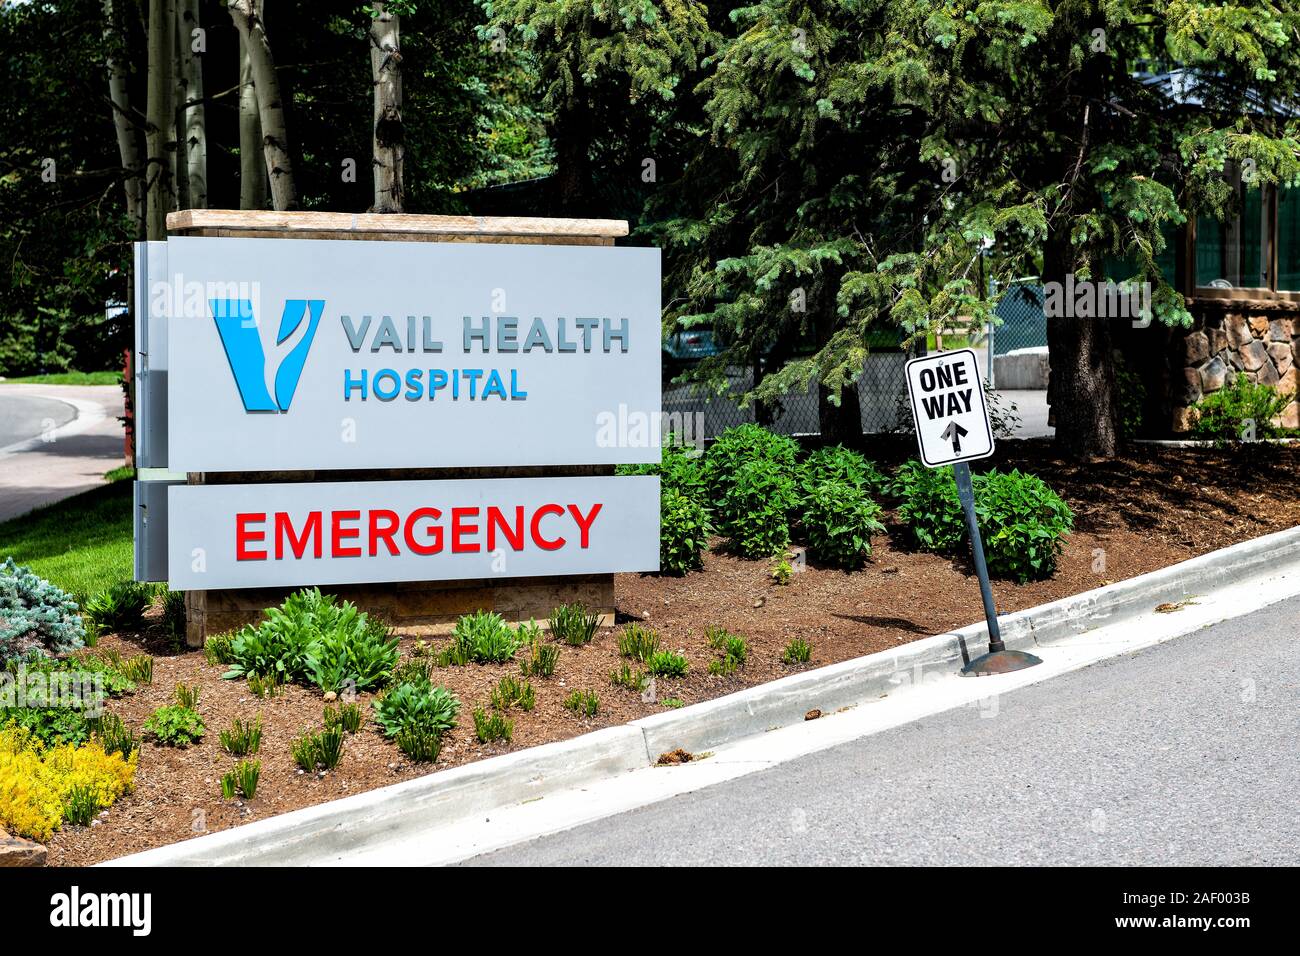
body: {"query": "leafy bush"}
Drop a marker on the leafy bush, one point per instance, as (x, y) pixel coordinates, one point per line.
(681, 468)
(839, 464)
(584, 703)
(929, 507)
(481, 638)
(36, 618)
(37, 781)
(512, 692)
(119, 608)
(175, 726)
(742, 445)
(51, 726)
(798, 651)
(80, 806)
(243, 738)
(781, 571)
(684, 529)
(638, 642)
(313, 639)
(1023, 522)
(137, 669)
(757, 506)
(217, 649)
(417, 705)
(667, 664)
(839, 520)
(492, 725)
(541, 659)
(573, 624)
(1227, 413)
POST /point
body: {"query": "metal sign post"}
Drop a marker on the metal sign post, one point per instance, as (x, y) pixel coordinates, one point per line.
(953, 428)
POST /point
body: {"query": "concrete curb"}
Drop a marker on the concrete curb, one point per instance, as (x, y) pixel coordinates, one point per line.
(329, 831)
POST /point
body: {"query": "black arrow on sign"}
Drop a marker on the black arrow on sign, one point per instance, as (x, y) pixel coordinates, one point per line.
(954, 433)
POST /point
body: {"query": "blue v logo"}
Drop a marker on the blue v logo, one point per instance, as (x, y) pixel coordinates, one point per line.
(239, 337)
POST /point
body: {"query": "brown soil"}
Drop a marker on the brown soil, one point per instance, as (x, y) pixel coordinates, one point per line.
(1133, 515)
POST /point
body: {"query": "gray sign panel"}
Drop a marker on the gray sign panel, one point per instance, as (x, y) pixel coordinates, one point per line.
(269, 535)
(289, 354)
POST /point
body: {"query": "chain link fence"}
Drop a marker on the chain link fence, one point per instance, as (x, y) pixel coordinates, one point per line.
(1023, 323)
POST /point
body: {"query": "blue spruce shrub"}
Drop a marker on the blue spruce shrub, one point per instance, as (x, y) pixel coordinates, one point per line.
(36, 618)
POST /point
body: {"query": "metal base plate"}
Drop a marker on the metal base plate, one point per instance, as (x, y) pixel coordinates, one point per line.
(999, 662)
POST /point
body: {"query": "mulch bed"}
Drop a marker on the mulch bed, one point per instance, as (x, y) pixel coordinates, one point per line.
(1135, 514)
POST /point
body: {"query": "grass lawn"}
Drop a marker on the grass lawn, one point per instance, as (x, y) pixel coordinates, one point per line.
(67, 378)
(83, 543)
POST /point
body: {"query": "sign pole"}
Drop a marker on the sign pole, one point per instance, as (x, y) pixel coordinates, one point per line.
(998, 660)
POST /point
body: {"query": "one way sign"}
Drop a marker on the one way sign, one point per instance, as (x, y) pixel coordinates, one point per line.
(952, 421)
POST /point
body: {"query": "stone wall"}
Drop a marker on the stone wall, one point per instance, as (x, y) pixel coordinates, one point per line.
(1223, 344)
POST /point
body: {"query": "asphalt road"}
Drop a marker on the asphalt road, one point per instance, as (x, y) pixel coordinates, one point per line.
(29, 416)
(1184, 753)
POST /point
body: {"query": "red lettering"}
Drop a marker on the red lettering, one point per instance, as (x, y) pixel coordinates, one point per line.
(538, 540)
(297, 544)
(514, 535)
(385, 534)
(458, 529)
(435, 532)
(584, 525)
(338, 534)
(243, 535)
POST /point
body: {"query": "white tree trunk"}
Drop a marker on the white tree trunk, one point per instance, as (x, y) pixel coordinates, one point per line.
(386, 72)
(180, 171)
(162, 20)
(195, 138)
(252, 162)
(275, 139)
(128, 142)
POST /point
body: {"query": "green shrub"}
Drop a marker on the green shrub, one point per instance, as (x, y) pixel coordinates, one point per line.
(119, 608)
(329, 747)
(626, 677)
(757, 509)
(305, 749)
(684, 529)
(481, 638)
(137, 669)
(666, 664)
(839, 464)
(798, 651)
(1226, 414)
(264, 688)
(345, 716)
(929, 508)
(584, 703)
(638, 642)
(175, 726)
(781, 571)
(745, 444)
(417, 705)
(839, 520)
(681, 468)
(243, 737)
(491, 726)
(1023, 522)
(50, 725)
(541, 659)
(732, 650)
(512, 692)
(672, 703)
(313, 639)
(574, 624)
(36, 618)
